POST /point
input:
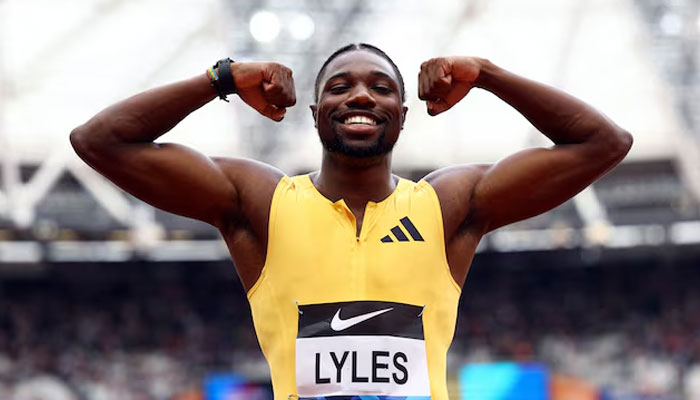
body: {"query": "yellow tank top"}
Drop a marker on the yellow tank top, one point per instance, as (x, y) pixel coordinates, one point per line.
(340, 315)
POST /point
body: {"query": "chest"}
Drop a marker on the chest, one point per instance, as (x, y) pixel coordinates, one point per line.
(324, 250)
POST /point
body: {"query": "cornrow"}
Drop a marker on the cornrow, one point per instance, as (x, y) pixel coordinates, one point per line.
(356, 47)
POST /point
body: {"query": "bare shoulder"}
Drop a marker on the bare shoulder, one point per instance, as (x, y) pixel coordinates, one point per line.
(455, 186)
(243, 170)
(255, 183)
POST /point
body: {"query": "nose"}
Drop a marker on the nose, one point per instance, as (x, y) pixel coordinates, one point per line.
(360, 96)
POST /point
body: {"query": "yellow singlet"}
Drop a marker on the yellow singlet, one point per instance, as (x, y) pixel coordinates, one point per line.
(340, 315)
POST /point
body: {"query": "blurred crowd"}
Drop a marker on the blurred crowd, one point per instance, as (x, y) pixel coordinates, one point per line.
(135, 335)
(631, 328)
(126, 337)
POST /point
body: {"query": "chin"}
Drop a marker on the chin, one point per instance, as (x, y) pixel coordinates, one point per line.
(339, 145)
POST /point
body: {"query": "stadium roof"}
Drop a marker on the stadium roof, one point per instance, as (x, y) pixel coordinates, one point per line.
(59, 67)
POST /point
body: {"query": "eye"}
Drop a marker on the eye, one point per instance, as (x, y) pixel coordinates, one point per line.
(338, 89)
(382, 89)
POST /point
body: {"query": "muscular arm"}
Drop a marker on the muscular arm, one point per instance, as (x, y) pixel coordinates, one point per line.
(118, 143)
(483, 198)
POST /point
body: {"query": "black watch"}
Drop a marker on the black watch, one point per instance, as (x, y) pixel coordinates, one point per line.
(225, 85)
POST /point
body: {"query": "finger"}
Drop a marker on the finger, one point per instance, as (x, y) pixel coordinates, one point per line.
(440, 79)
(441, 87)
(279, 90)
(423, 86)
(290, 97)
(425, 81)
(434, 84)
(279, 96)
(272, 89)
(279, 113)
(420, 86)
(433, 74)
(438, 106)
(421, 82)
(274, 113)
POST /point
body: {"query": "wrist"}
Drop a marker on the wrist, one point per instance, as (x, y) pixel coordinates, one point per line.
(233, 67)
(237, 73)
(487, 72)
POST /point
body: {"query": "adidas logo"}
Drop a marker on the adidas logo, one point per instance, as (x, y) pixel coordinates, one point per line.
(400, 235)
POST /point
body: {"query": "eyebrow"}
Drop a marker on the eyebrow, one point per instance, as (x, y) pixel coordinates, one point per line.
(338, 75)
(346, 74)
(382, 74)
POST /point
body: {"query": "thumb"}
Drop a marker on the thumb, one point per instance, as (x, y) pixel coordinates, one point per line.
(436, 107)
(274, 113)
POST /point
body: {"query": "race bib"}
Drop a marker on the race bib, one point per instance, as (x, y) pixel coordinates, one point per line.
(364, 348)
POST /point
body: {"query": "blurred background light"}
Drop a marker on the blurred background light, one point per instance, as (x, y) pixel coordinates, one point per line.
(301, 26)
(671, 24)
(264, 26)
(504, 381)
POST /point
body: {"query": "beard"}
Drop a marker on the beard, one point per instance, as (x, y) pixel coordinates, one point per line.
(378, 147)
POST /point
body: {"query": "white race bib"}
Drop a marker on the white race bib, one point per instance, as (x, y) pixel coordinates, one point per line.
(362, 348)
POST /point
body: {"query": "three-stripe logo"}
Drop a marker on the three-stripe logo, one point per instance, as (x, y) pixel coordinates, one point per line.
(398, 233)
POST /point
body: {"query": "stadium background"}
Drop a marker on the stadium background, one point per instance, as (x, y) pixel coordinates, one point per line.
(102, 297)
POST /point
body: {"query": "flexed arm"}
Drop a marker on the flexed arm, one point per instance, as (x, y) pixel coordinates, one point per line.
(118, 143)
(586, 145)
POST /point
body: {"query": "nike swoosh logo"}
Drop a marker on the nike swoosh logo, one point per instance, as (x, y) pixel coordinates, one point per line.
(338, 324)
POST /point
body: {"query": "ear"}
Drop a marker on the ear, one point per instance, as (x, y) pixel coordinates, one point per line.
(403, 116)
(314, 109)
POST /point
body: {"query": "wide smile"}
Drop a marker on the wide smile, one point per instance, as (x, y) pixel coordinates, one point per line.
(359, 120)
(355, 124)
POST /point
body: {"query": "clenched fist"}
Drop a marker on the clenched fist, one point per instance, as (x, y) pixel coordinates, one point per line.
(444, 81)
(266, 86)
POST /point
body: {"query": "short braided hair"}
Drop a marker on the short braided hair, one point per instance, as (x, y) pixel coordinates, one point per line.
(357, 47)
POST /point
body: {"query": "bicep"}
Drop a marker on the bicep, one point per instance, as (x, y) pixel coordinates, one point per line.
(171, 177)
(533, 181)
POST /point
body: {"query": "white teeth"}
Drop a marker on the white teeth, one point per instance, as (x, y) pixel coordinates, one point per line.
(360, 119)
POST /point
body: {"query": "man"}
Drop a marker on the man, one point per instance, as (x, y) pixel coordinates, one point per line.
(353, 274)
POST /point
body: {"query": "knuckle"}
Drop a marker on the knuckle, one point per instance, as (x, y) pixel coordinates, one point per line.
(273, 89)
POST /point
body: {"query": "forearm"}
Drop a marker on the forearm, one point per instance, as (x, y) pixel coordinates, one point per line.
(144, 117)
(561, 117)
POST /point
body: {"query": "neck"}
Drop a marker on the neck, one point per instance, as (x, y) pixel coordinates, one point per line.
(357, 181)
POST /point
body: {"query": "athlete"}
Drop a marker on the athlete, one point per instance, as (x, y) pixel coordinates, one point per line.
(353, 274)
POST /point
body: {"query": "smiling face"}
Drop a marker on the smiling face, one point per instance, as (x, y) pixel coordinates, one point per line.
(359, 111)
